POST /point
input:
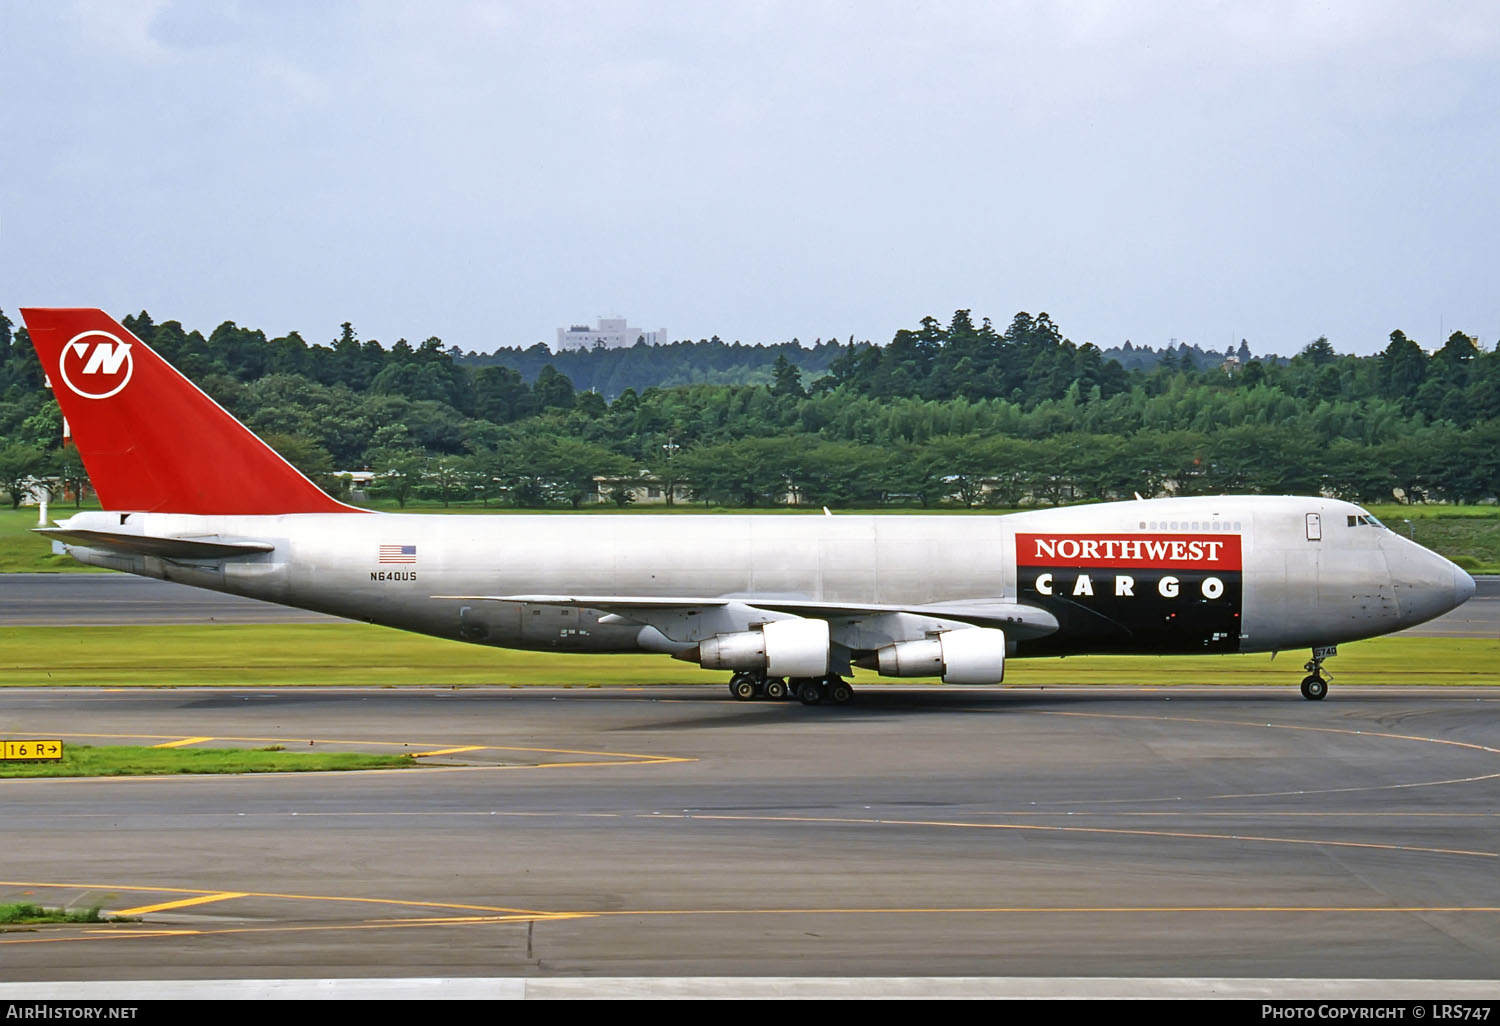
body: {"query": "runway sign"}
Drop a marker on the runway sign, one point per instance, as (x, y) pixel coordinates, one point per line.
(15, 751)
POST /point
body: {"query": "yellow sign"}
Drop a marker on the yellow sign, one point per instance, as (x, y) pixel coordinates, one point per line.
(11, 751)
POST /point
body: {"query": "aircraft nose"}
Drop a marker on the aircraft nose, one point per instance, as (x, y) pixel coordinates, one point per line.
(1463, 586)
(1426, 584)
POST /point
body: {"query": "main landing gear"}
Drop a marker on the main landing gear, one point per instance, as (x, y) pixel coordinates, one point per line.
(815, 690)
(746, 686)
(1315, 684)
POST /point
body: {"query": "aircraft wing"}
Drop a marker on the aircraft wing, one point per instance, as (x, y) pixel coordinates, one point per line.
(862, 625)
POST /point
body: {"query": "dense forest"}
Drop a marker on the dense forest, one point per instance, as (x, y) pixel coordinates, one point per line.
(709, 361)
(712, 361)
(962, 413)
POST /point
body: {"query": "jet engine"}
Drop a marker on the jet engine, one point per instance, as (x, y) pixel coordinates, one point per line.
(972, 655)
(781, 648)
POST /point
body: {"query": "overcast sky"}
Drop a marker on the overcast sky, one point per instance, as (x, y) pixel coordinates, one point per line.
(489, 171)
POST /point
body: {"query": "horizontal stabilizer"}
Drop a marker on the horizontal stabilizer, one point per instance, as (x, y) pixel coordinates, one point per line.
(206, 547)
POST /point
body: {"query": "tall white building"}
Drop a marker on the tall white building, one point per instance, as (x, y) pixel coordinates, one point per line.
(612, 333)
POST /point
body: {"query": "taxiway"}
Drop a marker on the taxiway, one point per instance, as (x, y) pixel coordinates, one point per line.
(1089, 833)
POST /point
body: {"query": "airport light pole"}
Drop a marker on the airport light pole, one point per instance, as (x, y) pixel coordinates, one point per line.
(671, 483)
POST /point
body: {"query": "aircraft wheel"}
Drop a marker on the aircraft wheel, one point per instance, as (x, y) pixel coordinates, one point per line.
(840, 692)
(776, 688)
(742, 686)
(810, 692)
(1314, 688)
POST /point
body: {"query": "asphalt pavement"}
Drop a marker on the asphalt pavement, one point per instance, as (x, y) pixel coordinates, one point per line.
(1099, 839)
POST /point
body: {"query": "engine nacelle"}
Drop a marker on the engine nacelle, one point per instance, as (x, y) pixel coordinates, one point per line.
(910, 659)
(782, 648)
(973, 655)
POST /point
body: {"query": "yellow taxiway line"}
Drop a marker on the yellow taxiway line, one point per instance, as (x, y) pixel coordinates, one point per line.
(1043, 828)
(472, 915)
(182, 742)
(202, 899)
(215, 895)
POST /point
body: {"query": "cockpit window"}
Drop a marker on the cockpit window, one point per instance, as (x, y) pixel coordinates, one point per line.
(1363, 520)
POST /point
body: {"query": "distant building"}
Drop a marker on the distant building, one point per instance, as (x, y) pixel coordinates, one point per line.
(643, 489)
(359, 483)
(612, 333)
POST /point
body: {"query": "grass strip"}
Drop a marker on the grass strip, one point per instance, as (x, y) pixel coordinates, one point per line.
(134, 761)
(24, 552)
(25, 914)
(324, 654)
(309, 654)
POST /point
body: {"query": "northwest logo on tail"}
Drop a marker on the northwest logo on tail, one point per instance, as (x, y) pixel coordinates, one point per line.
(96, 364)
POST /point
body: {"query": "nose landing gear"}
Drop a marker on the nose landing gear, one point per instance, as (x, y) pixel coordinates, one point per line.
(1315, 684)
(1314, 687)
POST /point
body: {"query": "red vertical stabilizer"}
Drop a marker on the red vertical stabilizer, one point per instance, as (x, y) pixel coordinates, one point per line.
(150, 439)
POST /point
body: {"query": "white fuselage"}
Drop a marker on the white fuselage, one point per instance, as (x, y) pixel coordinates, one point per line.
(1307, 571)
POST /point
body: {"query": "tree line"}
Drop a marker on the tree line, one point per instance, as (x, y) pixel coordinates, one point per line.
(962, 413)
(709, 361)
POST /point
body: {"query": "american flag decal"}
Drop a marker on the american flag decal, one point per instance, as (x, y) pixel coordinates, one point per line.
(398, 554)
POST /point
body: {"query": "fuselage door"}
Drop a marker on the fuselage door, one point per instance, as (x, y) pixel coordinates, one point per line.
(1314, 527)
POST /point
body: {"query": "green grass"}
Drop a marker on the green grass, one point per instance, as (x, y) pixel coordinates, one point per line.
(25, 914)
(1393, 512)
(133, 761)
(1390, 660)
(290, 654)
(1468, 535)
(257, 655)
(1472, 544)
(24, 552)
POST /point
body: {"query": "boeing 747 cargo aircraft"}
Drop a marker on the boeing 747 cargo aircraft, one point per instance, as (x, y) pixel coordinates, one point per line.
(786, 604)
